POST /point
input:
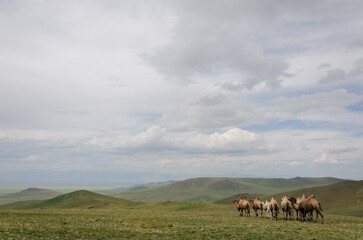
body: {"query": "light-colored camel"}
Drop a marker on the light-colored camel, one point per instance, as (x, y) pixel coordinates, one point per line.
(242, 205)
(274, 208)
(266, 208)
(257, 205)
(286, 207)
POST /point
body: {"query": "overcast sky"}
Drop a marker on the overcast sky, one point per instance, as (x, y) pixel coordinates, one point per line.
(178, 89)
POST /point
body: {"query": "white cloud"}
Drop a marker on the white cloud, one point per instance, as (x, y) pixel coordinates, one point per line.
(324, 158)
(158, 139)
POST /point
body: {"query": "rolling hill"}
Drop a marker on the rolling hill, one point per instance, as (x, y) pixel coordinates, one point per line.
(33, 193)
(213, 189)
(343, 198)
(77, 199)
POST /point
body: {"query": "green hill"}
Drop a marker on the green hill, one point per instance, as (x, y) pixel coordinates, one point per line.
(213, 189)
(229, 200)
(33, 193)
(77, 199)
(343, 198)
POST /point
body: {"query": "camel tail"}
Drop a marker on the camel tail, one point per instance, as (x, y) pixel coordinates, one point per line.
(320, 207)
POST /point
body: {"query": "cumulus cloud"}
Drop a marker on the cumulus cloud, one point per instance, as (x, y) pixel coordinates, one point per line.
(157, 139)
(325, 158)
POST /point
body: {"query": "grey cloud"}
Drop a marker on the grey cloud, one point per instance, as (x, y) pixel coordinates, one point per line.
(115, 81)
(356, 41)
(208, 42)
(357, 70)
(333, 75)
(211, 100)
(205, 45)
(333, 102)
(324, 65)
(212, 116)
(343, 149)
(203, 55)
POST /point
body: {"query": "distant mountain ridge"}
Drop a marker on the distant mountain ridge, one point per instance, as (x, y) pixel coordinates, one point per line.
(211, 189)
(33, 193)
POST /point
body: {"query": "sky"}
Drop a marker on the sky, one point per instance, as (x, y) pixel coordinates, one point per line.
(122, 92)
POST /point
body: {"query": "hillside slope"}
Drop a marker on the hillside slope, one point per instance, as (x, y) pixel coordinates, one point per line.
(77, 199)
(343, 198)
(212, 189)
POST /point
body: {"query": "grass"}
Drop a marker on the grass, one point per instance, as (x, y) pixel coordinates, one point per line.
(167, 220)
(87, 215)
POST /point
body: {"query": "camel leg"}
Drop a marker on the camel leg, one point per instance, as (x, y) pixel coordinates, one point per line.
(261, 212)
(317, 215)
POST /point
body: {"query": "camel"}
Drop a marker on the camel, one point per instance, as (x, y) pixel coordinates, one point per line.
(308, 205)
(242, 205)
(286, 207)
(236, 203)
(295, 205)
(266, 208)
(245, 206)
(257, 205)
(274, 208)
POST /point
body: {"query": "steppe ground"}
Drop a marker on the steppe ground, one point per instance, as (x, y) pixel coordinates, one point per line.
(167, 221)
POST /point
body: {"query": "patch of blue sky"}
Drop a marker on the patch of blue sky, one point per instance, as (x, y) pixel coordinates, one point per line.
(356, 107)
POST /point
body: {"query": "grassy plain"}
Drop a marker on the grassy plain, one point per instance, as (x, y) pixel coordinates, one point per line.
(167, 220)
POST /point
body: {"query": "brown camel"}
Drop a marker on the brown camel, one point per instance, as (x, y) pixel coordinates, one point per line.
(257, 205)
(245, 206)
(295, 205)
(308, 205)
(274, 208)
(236, 203)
